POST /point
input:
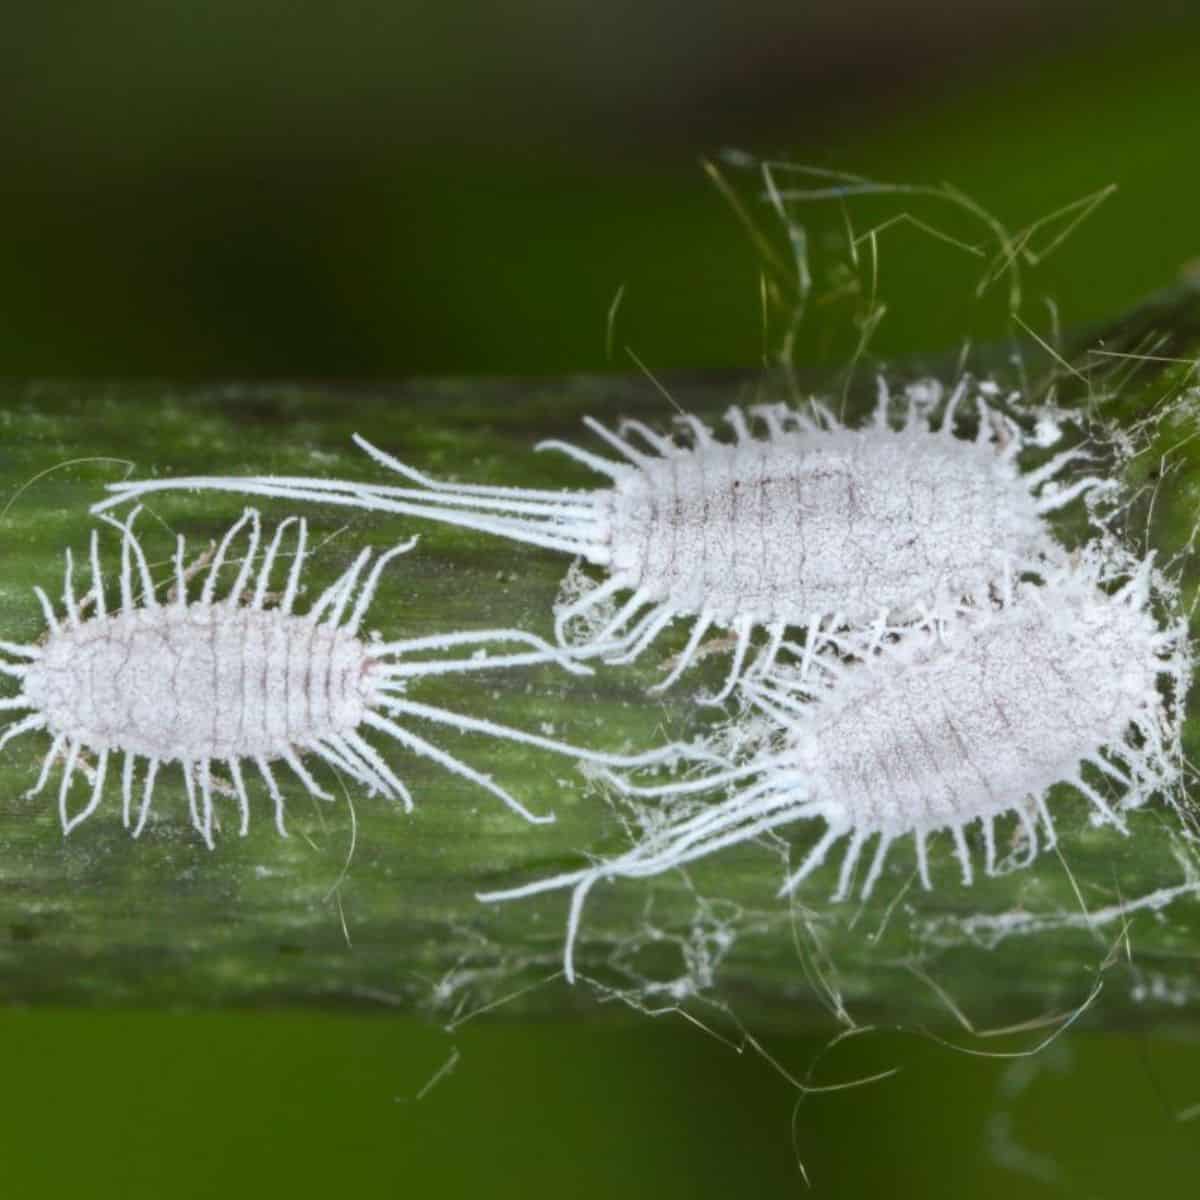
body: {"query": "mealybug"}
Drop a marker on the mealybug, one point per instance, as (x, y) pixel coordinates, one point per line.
(954, 723)
(212, 682)
(813, 523)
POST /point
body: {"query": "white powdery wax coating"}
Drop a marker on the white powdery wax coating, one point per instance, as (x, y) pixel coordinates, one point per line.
(941, 733)
(800, 521)
(956, 722)
(232, 681)
(201, 682)
(848, 521)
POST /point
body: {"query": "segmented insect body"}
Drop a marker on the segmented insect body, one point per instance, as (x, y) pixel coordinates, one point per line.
(812, 523)
(953, 724)
(215, 682)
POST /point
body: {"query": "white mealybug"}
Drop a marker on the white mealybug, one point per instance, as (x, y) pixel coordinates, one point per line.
(812, 524)
(952, 723)
(214, 682)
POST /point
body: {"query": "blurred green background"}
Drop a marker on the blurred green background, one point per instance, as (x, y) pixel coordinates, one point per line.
(290, 190)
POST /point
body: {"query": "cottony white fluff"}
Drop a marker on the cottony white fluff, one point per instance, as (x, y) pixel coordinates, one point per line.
(952, 724)
(810, 524)
(213, 682)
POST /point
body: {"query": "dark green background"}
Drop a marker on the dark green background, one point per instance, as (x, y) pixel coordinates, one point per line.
(280, 192)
